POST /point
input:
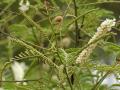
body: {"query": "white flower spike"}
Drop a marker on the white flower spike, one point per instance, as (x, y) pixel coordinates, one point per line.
(104, 28)
(24, 6)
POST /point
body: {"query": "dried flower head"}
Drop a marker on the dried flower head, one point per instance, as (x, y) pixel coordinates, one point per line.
(58, 19)
(101, 30)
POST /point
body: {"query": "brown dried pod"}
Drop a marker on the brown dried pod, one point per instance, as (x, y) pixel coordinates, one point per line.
(58, 19)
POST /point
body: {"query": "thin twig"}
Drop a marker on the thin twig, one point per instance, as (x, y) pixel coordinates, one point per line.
(77, 30)
(96, 3)
(77, 18)
(7, 7)
(31, 80)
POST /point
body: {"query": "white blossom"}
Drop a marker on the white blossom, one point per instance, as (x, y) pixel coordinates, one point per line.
(18, 70)
(104, 28)
(1, 88)
(107, 24)
(24, 6)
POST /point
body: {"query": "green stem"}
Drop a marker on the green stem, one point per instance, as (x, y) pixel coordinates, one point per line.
(58, 50)
(31, 80)
(77, 30)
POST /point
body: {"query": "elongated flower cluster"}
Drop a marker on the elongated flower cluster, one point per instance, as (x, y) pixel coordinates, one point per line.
(24, 6)
(104, 28)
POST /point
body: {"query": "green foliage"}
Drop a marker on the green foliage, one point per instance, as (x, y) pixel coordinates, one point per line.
(49, 37)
